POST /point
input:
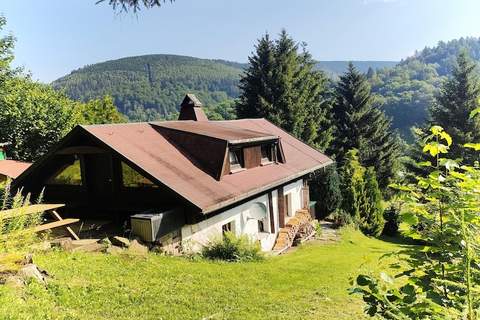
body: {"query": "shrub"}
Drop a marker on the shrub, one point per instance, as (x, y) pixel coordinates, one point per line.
(16, 233)
(325, 189)
(341, 218)
(233, 249)
(392, 222)
(371, 216)
(353, 185)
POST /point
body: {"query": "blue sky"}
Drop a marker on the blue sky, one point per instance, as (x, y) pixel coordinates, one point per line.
(57, 36)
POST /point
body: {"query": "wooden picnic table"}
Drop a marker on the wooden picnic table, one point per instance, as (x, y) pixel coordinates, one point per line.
(40, 208)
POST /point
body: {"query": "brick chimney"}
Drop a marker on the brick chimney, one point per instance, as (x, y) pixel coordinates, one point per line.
(191, 109)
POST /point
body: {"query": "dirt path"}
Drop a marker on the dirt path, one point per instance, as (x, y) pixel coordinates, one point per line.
(329, 233)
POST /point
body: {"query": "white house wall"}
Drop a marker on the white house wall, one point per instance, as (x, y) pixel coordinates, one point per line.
(295, 189)
(197, 235)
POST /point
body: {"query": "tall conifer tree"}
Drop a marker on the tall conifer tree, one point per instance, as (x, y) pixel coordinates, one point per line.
(361, 125)
(371, 216)
(458, 97)
(282, 86)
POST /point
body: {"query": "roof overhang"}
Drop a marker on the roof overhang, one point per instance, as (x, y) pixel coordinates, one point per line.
(264, 188)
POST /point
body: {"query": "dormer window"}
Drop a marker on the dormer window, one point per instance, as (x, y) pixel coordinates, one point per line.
(236, 159)
(266, 151)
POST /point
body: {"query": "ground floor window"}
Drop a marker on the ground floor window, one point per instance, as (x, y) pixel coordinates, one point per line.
(227, 227)
(261, 226)
(289, 204)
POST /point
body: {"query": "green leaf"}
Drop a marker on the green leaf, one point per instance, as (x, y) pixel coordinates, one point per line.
(449, 163)
(409, 218)
(424, 164)
(436, 130)
(475, 146)
(363, 280)
(474, 112)
(445, 136)
(435, 148)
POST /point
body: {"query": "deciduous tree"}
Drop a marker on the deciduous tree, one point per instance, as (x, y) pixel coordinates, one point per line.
(458, 97)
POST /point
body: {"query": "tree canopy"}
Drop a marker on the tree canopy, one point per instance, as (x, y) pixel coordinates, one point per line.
(34, 116)
(282, 86)
(360, 124)
(134, 5)
(458, 97)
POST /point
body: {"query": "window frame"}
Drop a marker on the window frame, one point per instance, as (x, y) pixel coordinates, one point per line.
(269, 149)
(240, 165)
(228, 227)
(152, 186)
(51, 180)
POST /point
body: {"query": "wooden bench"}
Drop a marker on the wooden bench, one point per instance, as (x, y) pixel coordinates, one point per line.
(40, 208)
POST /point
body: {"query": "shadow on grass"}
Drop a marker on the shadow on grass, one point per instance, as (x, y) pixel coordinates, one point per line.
(401, 240)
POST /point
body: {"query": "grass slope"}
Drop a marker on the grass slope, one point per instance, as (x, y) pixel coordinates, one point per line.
(309, 283)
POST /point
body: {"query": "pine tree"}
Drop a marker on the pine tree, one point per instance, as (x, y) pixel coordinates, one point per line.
(282, 86)
(361, 125)
(371, 214)
(257, 84)
(458, 97)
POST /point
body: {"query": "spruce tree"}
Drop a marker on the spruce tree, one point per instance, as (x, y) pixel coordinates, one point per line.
(451, 110)
(361, 125)
(257, 98)
(371, 215)
(282, 86)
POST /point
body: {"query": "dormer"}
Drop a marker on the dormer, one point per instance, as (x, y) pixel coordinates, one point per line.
(220, 148)
(251, 154)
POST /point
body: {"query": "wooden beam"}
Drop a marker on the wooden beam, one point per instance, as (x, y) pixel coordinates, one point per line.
(81, 150)
(56, 224)
(69, 230)
(32, 209)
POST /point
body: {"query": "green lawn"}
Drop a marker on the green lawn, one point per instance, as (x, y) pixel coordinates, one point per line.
(309, 283)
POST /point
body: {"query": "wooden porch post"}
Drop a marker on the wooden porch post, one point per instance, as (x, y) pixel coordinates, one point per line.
(306, 194)
(270, 209)
(281, 207)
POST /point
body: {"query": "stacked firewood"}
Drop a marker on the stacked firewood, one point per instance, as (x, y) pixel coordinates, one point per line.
(298, 226)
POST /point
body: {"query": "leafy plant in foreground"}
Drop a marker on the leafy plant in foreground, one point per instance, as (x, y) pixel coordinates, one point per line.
(16, 231)
(442, 278)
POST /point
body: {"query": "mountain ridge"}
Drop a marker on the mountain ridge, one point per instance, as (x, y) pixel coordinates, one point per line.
(151, 86)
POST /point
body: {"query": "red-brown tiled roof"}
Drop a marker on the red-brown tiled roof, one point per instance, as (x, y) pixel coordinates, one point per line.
(13, 168)
(143, 145)
(227, 131)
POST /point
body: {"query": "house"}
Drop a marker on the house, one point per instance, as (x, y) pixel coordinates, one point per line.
(245, 176)
(10, 169)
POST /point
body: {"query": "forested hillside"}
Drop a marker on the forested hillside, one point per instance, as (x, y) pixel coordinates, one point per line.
(151, 86)
(407, 89)
(336, 68)
(155, 83)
